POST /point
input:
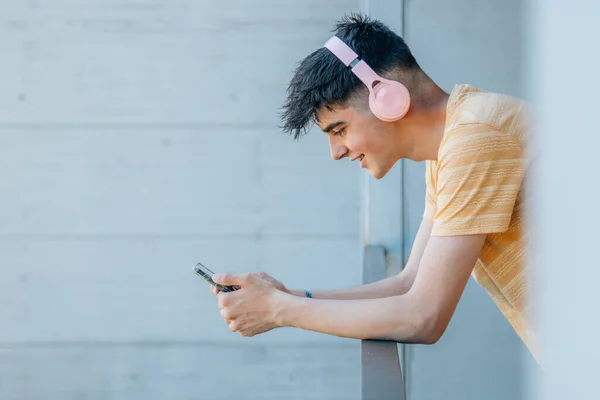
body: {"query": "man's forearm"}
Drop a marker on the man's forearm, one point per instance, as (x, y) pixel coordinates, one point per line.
(392, 286)
(395, 318)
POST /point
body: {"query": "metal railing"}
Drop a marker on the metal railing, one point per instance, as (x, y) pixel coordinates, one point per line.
(381, 373)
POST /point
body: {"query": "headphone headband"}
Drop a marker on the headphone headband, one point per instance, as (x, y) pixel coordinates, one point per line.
(341, 50)
(346, 55)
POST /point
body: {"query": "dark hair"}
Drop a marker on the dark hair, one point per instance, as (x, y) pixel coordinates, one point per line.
(321, 80)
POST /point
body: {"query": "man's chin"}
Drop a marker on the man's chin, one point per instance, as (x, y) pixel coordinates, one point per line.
(378, 173)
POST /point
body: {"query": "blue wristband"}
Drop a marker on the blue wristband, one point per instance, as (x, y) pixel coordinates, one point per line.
(308, 294)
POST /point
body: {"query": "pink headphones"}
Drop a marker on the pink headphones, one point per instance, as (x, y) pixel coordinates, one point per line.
(389, 100)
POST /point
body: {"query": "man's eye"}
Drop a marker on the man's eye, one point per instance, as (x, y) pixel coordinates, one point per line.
(340, 132)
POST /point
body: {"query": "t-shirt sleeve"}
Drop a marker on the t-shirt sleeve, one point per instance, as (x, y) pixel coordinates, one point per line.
(479, 176)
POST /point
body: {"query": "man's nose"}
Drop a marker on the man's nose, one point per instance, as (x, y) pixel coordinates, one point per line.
(338, 151)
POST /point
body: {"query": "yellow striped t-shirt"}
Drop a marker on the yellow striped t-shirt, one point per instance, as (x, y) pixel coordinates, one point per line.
(476, 187)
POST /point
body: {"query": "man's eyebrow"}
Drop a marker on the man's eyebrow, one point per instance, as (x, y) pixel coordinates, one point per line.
(329, 127)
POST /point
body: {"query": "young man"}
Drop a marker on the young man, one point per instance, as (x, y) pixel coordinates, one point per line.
(473, 143)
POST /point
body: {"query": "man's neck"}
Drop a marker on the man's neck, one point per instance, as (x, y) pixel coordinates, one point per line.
(427, 124)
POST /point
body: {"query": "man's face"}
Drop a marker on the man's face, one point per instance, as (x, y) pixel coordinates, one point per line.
(361, 137)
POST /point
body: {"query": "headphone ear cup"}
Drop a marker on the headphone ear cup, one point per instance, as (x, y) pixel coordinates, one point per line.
(389, 100)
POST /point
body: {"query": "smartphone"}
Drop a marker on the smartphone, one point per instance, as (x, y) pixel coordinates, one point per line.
(207, 274)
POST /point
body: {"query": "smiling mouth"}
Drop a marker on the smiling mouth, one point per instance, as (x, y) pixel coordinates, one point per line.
(359, 158)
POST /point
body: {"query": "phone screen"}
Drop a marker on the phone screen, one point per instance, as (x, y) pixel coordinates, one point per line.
(207, 274)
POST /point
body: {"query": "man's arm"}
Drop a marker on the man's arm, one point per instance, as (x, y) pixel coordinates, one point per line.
(392, 286)
(419, 316)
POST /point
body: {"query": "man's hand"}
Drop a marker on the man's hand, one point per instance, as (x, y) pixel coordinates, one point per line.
(255, 307)
(263, 275)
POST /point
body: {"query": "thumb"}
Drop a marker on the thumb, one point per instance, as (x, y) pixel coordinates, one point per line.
(230, 279)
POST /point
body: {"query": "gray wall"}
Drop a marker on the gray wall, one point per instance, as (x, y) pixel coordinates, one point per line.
(136, 138)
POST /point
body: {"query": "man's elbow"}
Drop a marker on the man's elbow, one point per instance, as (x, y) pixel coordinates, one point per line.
(432, 334)
(425, 323)
(430, 328)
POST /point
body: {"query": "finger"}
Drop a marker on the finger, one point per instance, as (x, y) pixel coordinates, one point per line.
(246, 332)
(233, 326)
(266, 277)
(232, 279)
(224, 314)
(214, 290)
(227, 299)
